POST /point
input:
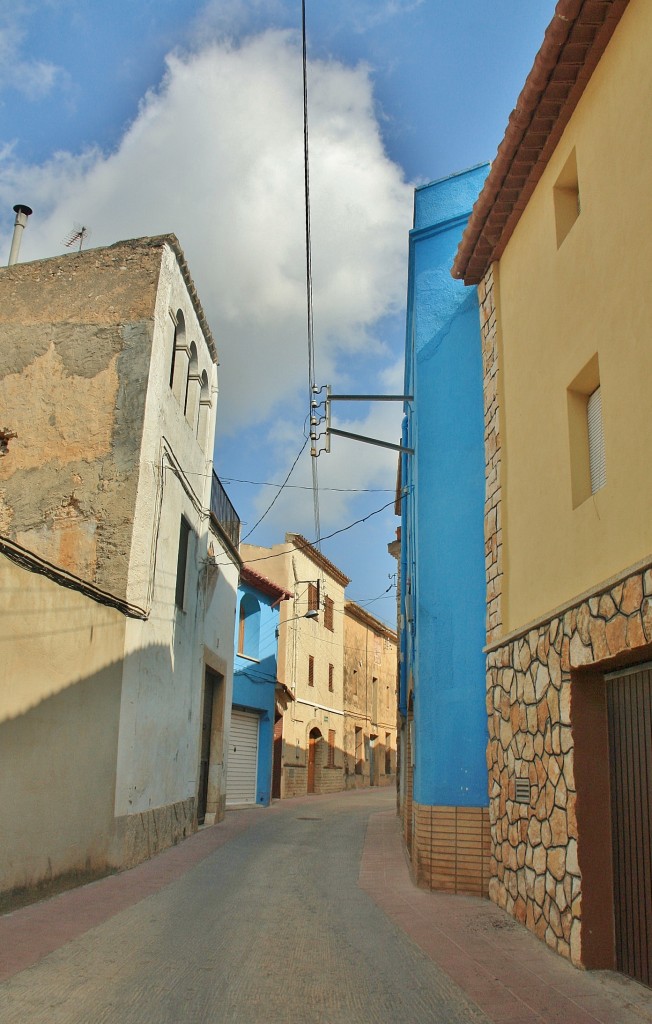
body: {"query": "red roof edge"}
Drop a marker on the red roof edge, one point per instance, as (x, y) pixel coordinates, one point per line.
(268, 587)
(573, 43)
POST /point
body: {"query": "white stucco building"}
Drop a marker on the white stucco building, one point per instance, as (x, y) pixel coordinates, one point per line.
(118, 564)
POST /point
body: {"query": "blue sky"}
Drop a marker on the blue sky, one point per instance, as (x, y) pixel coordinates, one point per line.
(147, 116)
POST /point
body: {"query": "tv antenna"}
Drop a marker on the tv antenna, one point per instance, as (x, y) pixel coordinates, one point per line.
(78, 234)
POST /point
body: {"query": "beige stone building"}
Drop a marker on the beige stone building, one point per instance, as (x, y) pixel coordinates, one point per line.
(369, 699)
(310, 663)
(559, 244)
(118, 564)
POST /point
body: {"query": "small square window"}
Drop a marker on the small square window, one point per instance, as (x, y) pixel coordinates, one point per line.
(566, 194)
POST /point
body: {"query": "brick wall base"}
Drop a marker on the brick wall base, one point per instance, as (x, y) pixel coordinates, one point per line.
(451, 849)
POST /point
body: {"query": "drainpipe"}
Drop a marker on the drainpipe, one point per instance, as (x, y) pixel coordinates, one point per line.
(22, 213)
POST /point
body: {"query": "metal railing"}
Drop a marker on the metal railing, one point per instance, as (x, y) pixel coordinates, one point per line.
(223, 511)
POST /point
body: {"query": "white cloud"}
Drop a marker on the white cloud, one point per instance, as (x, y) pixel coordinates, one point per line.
(34, 79)
(215, 155)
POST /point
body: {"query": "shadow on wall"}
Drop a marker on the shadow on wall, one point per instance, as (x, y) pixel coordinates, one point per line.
(58, 764)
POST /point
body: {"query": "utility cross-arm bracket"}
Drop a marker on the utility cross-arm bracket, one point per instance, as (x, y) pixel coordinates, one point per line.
(315, 420)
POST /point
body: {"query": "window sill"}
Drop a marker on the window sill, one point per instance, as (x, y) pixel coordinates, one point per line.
(247, 657)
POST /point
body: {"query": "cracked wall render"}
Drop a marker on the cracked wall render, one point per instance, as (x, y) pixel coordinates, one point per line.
(77, 335)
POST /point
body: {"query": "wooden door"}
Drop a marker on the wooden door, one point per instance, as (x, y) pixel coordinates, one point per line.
(629, 709)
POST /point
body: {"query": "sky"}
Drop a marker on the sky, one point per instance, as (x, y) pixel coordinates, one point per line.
(142, 117)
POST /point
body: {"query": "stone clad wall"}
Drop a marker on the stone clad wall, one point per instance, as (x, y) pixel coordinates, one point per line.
(532, 675)
(535, 874)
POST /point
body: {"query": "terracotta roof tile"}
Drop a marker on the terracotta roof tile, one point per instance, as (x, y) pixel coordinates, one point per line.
(573, 44)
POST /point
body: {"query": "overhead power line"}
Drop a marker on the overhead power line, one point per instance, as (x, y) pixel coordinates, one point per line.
(278, 494)
(307, 487)
(311, 337)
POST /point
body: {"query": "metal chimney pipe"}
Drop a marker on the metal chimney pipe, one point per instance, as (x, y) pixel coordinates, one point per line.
(22, 213)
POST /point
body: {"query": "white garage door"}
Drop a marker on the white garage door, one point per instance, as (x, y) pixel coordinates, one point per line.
(243, 758)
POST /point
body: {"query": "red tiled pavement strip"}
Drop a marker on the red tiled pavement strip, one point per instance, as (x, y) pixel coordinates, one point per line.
(512, 976)
(27, 935)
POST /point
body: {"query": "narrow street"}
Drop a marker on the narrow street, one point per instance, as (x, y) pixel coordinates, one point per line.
(300, 913)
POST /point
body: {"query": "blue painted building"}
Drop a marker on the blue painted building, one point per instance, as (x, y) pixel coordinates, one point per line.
(259, 699)
(442, 679)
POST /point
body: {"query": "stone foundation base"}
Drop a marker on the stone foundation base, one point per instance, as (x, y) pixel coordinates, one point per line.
(139, 836)
(451, 849)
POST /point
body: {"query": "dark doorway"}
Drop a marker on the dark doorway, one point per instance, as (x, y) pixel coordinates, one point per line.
(210, 708)
(277, 762)
(313, 746)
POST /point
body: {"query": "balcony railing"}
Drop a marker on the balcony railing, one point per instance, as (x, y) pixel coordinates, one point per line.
(223, 511)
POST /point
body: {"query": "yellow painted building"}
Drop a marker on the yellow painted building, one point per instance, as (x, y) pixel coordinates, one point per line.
(560, 245)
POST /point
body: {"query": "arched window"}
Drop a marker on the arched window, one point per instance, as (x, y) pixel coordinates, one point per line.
(204, 409)
(193, 383)
(178, 342)
(249, 627)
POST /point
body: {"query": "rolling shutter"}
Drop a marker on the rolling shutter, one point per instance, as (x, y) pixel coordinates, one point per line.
(243, 759)
(596, 441)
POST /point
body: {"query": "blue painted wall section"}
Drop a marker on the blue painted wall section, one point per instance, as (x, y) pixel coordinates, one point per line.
(442, 530)
(255, 670)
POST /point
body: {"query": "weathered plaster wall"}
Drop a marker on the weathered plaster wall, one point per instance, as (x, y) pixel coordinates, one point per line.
(369, 655)
(74, 361)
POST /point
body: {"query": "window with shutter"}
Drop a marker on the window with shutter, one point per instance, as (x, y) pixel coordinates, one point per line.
(331, 671)
(596, 441)
(328, 614)
(311, 670)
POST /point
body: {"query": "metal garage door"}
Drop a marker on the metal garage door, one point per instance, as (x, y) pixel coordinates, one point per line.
(243, 758)
(629, 702)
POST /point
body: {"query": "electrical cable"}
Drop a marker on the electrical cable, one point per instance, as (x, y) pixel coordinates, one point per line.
(277, 495)
(311, 338)
(343, 529)
(305, 487)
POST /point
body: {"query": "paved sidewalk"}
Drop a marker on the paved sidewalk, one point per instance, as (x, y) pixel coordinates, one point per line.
(29, 934)
(512, 976)
(488, 958)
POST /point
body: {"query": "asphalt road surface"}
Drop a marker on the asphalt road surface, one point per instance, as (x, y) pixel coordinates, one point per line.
(271, 928)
